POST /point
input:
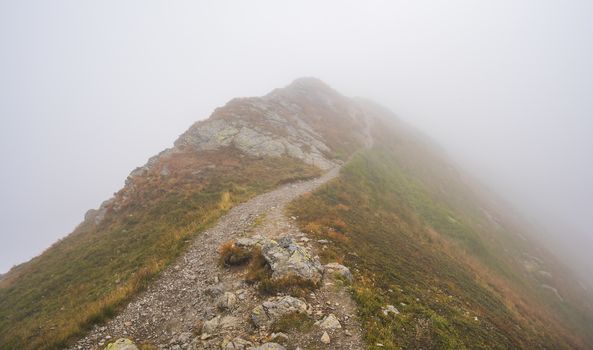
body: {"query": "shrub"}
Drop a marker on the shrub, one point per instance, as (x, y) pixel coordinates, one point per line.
(258, 269)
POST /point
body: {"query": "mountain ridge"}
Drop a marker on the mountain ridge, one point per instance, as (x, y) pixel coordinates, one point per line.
(396, 197)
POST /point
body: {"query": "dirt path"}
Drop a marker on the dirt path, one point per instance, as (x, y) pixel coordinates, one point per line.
(167, 314)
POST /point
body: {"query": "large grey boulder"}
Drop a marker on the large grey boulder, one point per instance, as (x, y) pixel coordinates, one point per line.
(122, 344)
(286, 257)
(274, 308)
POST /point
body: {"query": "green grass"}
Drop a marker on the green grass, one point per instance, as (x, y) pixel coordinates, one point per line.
(391, 223)
(84, 278)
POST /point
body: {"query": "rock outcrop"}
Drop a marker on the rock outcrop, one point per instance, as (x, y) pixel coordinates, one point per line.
(279, 123)
(286, 258)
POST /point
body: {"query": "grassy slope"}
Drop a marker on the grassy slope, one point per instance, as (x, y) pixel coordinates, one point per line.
(82, 279)
(416, 235)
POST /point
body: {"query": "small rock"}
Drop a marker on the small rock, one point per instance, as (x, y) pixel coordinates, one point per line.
(330, 322)
(340, 270)
(198, 325)
(184, 337)
(270, 346)
(205, 336)
(390, 309)
(242, 294)
(227, 301)
(279, 337)
(325, 339)
(122, 344)
(238, 343)
(210, 326)
(228, 322)
(214, 291)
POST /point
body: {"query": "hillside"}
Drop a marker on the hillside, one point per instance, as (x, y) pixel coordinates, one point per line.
(421, 237)
(247, 147)
(305, 173)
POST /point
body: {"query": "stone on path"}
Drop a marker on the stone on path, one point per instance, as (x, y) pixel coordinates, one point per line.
(325, 338)
(270, 346)
(122, 344)
(274, 308)
(227, 301)
(339, 270)
(330, 322)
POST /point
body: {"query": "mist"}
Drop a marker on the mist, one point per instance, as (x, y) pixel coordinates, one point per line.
(90, 90)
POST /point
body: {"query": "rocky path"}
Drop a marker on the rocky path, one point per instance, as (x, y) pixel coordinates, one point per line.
(198, 304)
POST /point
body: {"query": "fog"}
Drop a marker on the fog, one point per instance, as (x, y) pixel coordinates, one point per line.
(90, 90)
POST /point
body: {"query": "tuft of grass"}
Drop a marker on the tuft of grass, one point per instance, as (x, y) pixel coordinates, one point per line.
(292, 285)
(231, 255)
(258, 268)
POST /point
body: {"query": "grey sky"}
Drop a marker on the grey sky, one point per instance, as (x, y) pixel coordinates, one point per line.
(89, 90)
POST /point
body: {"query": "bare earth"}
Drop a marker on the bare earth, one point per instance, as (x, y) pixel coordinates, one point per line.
(167, 314)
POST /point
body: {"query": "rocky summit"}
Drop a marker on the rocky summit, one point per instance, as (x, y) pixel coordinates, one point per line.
(302, 219)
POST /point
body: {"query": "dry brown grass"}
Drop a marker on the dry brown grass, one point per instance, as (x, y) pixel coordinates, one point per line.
(231, 255)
